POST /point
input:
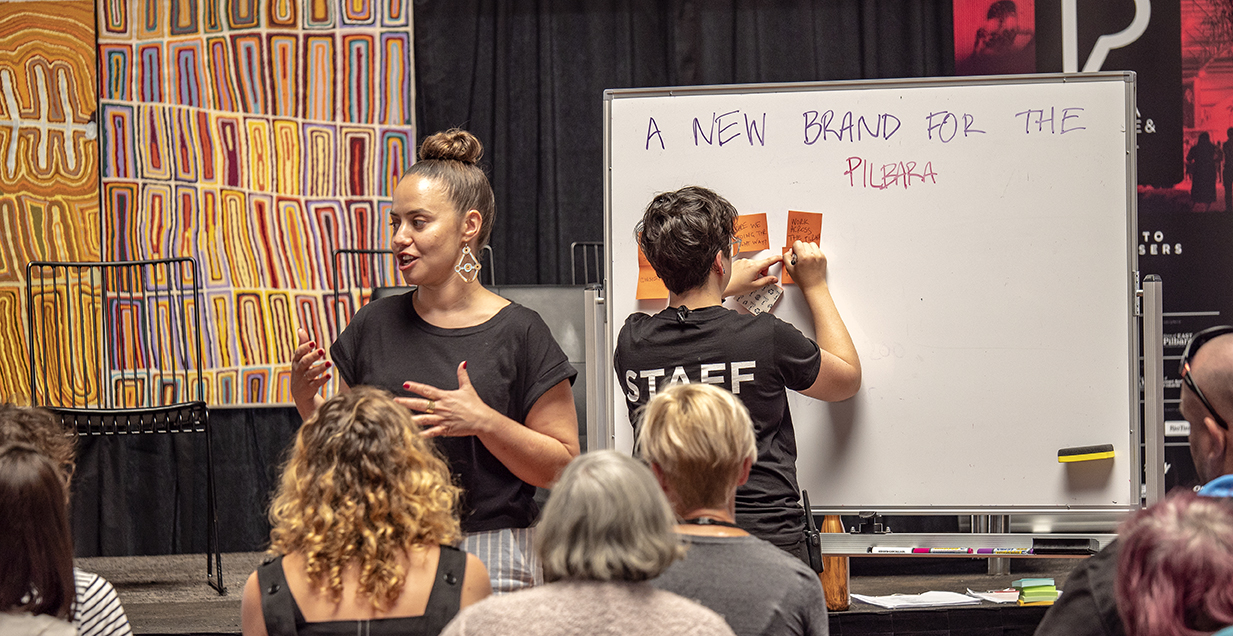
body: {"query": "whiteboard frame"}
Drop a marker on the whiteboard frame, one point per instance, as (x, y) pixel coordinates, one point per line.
(1132, 271)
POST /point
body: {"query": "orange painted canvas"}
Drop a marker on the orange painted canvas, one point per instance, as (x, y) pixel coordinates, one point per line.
(49, 206)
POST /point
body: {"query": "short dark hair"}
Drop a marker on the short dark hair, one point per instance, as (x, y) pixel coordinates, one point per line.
(1001, 9)
(36, 555)
(680, 233)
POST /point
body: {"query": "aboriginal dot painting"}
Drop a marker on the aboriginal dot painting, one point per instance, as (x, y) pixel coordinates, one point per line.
(257, 136)
(49, 158)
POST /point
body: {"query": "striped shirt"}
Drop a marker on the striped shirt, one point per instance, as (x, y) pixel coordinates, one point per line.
(98, 611)
(510, 557)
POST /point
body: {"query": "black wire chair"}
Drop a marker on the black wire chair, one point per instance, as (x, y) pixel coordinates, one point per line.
(586, 258)
(116, 349)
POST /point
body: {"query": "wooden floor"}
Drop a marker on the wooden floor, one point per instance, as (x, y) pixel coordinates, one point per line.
(169, 595)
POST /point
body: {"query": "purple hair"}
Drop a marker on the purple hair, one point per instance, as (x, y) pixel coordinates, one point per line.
(1175, 567)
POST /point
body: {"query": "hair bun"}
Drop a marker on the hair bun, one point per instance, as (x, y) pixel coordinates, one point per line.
(454, 144)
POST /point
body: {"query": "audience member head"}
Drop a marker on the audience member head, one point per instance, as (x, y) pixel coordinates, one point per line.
(36, 551)
(606, 520)
(700, 441)
(1207, 366)
(681, 232)
(361, 488)
(1175, 567)
(451, 158)
(43, 431)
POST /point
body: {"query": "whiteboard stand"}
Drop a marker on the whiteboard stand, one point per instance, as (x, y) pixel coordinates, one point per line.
(599, 364)
(837, 544)
(1153, 388)
(996, 524)
(957, 354)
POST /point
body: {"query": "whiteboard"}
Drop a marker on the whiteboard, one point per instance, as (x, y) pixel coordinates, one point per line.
(990, 292)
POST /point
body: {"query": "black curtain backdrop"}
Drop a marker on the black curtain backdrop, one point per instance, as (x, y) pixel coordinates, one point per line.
(528, 79)
(146, 494)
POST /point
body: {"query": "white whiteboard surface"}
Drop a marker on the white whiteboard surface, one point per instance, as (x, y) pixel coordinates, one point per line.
(991, 302)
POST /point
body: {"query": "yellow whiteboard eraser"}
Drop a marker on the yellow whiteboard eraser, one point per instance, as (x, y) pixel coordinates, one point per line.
(1085, 453)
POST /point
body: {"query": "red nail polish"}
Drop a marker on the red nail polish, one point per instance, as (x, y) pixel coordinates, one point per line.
(464, 365)
(328, 364)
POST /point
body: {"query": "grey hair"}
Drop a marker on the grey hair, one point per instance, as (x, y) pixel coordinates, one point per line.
(607, 519)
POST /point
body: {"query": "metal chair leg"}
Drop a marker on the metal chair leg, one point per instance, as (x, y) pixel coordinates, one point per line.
(214, 570)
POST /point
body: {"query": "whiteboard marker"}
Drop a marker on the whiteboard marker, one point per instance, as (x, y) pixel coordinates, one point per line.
(941, 550)
(884, 550)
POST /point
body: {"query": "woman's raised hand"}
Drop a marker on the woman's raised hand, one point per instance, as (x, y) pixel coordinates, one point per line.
(454, 413)
(806, 264)
(749, 274)
(309, 372)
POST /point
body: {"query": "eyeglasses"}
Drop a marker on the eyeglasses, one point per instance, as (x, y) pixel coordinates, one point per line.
(1196, 342)
(734, 247)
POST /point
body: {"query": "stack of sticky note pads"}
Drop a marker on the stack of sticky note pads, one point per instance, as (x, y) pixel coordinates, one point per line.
(1036, 591)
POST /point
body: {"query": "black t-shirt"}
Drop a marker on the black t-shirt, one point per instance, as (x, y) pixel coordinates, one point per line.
(756, 358)
(512, 360)
(1088, 604)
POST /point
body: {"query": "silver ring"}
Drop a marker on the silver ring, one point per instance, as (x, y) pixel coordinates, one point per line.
(794, 259)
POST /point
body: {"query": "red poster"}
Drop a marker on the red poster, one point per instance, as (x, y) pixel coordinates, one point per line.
(995, 37)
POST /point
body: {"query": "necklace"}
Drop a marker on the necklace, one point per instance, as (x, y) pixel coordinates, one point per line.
(707, 521)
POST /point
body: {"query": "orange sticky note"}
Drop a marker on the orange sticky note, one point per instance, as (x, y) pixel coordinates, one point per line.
(751, 229)
(650, 287)
(804, 226)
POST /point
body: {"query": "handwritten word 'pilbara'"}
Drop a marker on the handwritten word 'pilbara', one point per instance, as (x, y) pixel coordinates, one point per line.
(888, 175)
(1033, 116)
(818, 126)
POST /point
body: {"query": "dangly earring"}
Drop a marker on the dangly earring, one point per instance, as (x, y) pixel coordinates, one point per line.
(468, 266)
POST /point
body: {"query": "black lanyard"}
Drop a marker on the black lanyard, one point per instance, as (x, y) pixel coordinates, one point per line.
(707, 521)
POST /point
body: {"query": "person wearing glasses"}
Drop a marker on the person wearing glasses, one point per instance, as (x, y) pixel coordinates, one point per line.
(688, 237)
(1088, 605)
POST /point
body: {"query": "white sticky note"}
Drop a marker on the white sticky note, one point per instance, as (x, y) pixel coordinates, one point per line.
(760, 300)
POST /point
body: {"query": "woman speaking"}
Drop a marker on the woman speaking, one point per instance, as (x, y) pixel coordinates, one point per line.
(484, 373)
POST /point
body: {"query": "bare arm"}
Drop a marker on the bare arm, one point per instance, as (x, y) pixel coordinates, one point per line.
(252, 621)
(839, 376)
(535, 452)
(475, 583)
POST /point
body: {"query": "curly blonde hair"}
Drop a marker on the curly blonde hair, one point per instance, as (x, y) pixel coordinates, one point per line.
(361, 487)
